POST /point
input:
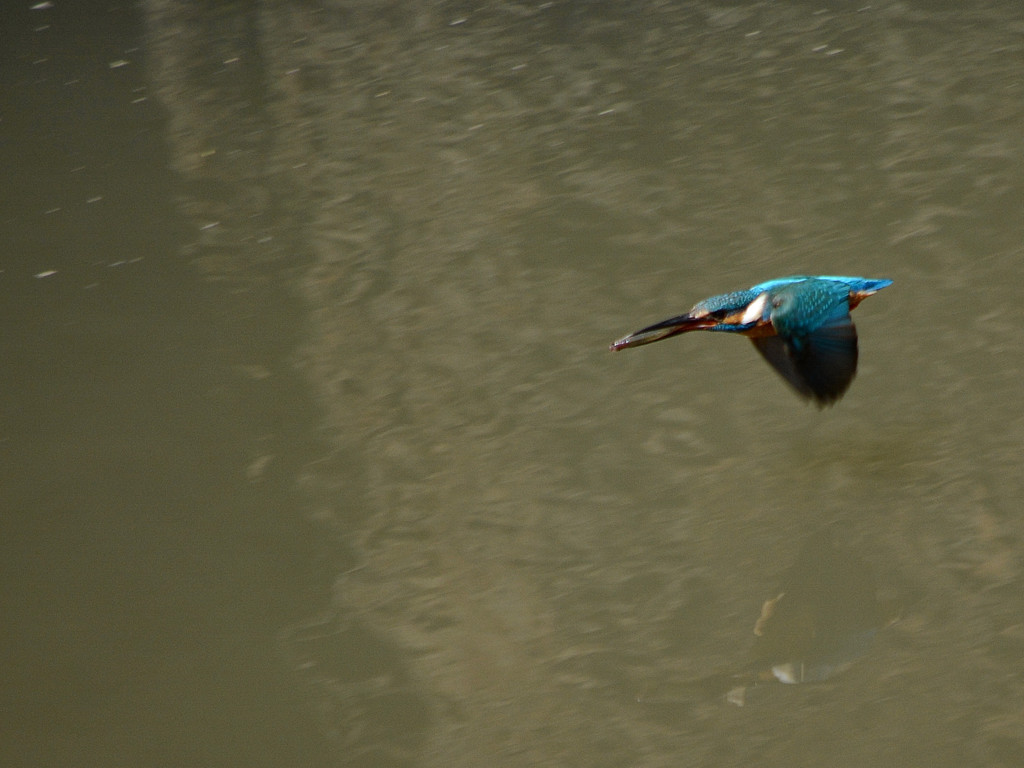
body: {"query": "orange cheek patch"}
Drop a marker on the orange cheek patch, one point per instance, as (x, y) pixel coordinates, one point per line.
(760, 330)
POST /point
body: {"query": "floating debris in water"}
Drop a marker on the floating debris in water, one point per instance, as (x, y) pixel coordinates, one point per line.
(823, 620)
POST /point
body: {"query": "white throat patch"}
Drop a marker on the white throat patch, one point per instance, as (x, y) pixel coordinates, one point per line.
(755, 311)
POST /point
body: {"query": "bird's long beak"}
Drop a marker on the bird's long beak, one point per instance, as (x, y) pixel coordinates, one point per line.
(663, 330)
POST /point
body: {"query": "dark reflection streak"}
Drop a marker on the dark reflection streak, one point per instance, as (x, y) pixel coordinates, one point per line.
(145, 575)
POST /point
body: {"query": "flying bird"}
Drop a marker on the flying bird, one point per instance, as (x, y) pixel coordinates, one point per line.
(801, 325)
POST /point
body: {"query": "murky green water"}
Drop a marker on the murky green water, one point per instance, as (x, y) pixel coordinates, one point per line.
(152, 544)
(544, 550)
(539, 531)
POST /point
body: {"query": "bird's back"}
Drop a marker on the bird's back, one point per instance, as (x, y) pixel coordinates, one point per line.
(853, 284)
(803, 307)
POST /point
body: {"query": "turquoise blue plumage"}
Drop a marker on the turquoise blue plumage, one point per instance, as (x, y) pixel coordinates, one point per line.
(801, 325)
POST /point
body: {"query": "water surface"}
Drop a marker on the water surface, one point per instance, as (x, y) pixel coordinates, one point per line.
(473, 201)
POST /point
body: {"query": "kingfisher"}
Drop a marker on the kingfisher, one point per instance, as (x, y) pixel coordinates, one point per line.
(801, 325)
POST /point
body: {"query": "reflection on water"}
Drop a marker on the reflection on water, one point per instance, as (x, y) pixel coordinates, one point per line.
(824, 618)
(534, 529)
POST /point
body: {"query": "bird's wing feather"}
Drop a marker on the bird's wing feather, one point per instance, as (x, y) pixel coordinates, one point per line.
(828, 360)
(779, 355)
(820, 364)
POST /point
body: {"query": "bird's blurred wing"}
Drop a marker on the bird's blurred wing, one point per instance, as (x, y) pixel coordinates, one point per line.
(819, 365)
(780, 357)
